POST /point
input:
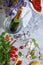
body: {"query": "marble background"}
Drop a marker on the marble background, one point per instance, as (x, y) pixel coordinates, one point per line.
(35, 27)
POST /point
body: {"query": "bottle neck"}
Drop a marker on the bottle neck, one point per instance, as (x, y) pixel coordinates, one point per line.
(18, 13)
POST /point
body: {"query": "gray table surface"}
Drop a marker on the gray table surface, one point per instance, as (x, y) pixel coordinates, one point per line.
(35, 26)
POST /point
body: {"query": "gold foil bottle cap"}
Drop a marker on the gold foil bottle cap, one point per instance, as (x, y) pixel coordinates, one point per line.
(19, 12)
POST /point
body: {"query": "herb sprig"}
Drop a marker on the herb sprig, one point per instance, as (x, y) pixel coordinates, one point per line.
(35, 43)
(4, 50)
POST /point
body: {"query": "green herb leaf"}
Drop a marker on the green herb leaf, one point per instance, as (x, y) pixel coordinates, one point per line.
(20, 54)
(33, 40)
(32, 52)
(34, 57)
(3, 34)
(5, 47)
(36, 44)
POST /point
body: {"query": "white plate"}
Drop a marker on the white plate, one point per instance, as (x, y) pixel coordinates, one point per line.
(36, 10)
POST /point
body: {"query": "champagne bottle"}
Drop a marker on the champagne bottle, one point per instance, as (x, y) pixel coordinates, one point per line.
(16, 20)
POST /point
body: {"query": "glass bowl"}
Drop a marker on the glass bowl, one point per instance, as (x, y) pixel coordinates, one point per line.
(7, 26)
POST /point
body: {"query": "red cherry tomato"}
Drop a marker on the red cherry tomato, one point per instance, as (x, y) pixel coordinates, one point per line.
(13, 52)
(21, 47)
(13, 59)
(16, 49)
(16, 56)
(11, 55)
(19, 62)
(13, 47)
